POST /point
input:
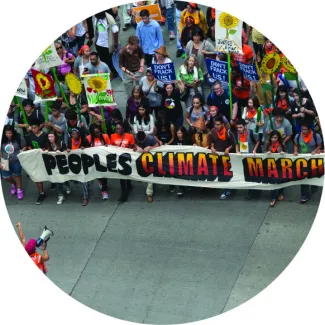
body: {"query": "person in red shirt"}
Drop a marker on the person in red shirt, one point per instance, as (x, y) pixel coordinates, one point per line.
(97, 138)
(123, 140)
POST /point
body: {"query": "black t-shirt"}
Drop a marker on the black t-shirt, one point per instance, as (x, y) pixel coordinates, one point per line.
(222, 102)
(37, 142)
(295, 109)
(148, 142)
(36, 114)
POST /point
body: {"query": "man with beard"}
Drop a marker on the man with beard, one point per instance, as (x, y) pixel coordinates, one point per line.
(95, 65)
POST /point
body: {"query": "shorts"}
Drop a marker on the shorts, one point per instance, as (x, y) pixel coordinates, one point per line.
(14, 170)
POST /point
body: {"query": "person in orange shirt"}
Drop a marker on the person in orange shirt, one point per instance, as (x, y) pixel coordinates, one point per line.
(123, 140)
(30, 248)
(97, 138)
(246, 57)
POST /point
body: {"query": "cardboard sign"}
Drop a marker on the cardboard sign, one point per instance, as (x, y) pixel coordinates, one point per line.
(154, 12)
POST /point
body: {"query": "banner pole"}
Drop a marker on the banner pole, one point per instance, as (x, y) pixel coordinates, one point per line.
(103, 119)
(60, 87)
(23, 113)
(229, 85)
(78, 108)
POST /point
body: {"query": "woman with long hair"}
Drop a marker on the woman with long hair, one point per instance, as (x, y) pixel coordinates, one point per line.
(96, 138)
(191, 77)
(164, 130)
(196, 110)
(11, 145)
(136, 99)
(75, 142)
(81, 60)
(143, 121)
(283, 100)
(275, 145)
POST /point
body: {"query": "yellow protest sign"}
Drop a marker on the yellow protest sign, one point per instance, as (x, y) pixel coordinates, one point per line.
(154, 12)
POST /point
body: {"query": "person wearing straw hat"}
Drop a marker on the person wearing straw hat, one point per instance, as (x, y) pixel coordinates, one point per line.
(161, 56)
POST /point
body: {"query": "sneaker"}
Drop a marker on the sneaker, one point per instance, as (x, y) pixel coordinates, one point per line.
(126, 27)
(224, 195)
(13, 189)
(60, 199)
(105, 195)
(183, 55)
(172, 35)
(68, 190)
(40, 198)
(180, 192)
(179, 53)
(171, 189)
(304, 199)
(20, 194)
(53, 187)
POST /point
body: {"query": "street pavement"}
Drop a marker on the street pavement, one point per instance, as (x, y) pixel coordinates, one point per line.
(176, 260)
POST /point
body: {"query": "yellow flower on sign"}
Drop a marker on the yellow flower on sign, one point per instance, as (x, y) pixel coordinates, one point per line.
(271, 63)
(97, 83)
(43, 81)
(287, 64)
(228, 21)
(73, 83)
(243, 146)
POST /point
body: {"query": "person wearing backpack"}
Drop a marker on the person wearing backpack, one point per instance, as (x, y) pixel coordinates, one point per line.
(10, 167)
(222, 140)
(247, 141)
(307, 141)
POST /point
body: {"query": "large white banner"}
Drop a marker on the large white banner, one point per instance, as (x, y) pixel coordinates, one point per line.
(176, 165)
(228, 31)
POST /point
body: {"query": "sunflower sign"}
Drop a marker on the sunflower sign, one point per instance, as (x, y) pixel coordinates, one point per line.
(48, 59)
(44, 85)
(228, 31)
(98, 89)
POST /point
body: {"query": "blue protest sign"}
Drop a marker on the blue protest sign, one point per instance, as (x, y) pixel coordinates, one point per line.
(249, 71)
(218, 70)
(164, 72)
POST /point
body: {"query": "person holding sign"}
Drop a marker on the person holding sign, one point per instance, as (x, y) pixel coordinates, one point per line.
(201, 48)
(192, 77)
(161, 56)
(150, 36)
(131, 61)
(10, 167)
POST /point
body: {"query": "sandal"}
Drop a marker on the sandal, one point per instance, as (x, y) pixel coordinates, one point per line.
(272, 203)
(281, 197)
(84, 202)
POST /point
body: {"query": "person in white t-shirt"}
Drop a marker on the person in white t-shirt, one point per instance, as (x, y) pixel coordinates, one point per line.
(81, 33)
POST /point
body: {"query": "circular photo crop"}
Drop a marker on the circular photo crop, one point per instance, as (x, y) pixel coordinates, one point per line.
(161, 162)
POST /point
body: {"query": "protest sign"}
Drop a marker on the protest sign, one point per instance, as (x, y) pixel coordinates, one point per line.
(98, 89)
(249, 71)
(22, 90)
(154, 12)
(218, 70)
(176, 165)
(44, 86)
(228, 31)
(48, 59)
(164, 72)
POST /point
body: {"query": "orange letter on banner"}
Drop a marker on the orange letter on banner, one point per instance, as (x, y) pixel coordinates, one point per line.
(226, 166)
(160, 164)
(186, 166)
(171, 163)
(255, 167)
(299, 168)
(202, 165)
(214, 159)
(317, 165)
(286, 165)
(272, 171)
(147, 159)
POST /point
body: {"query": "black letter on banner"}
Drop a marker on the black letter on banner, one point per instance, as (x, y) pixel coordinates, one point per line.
(123, 159)
(74, 163)
(98, 166)
(87, 161)
(62, 164)
(111, 162)
(49, 163)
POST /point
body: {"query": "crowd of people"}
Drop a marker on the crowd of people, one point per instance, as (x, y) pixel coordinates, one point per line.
(157, 114)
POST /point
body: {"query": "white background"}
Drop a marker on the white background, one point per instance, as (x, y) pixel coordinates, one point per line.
(296, 297)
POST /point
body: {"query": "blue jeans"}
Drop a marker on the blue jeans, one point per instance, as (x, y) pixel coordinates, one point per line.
(14, 170)
(178, 19)
(170, 19)
(276, 193)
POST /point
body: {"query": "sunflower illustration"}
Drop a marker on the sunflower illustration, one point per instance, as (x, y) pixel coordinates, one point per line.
(286, 63)
(228, 21)
(97, 83)
(243, 146)
(43, 81)
(73, 83)
(271, 63)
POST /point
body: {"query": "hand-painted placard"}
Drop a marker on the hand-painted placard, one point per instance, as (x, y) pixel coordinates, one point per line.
(249, 71)
(164, 72)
